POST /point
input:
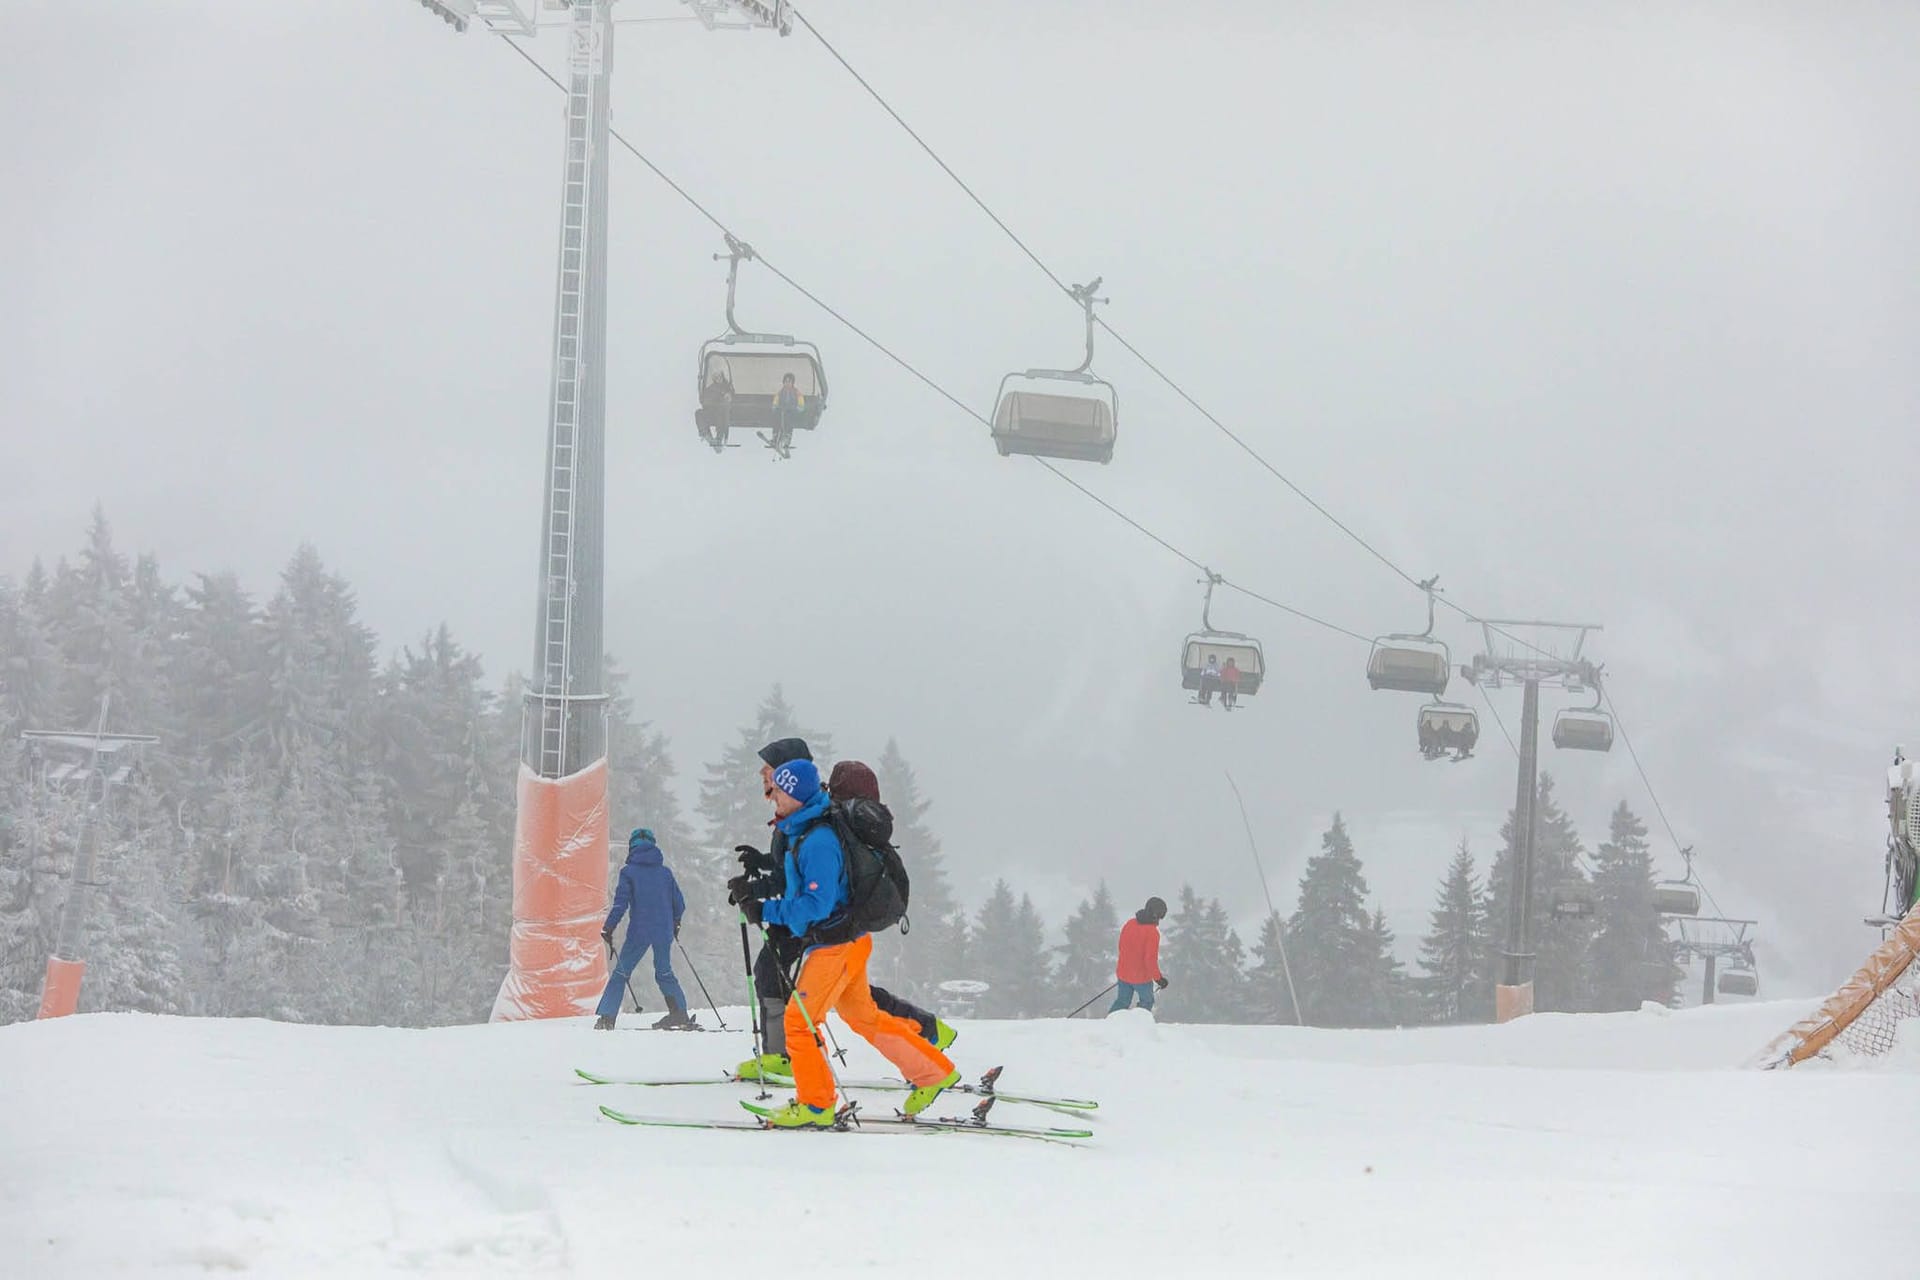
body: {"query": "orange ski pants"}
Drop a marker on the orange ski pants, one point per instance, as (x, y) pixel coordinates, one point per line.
(835, 978)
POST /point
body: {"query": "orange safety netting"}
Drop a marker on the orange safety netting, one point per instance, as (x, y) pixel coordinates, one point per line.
(557, 966)
(60, 995)
(1852, 1002)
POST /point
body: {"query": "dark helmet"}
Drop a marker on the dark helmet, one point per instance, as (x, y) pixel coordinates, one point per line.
(1155, 910)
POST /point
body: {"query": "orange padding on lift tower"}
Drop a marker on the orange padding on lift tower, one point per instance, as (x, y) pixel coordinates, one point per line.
(1883, 968)
(1512, 1002)
(557, 965)
(60, 995)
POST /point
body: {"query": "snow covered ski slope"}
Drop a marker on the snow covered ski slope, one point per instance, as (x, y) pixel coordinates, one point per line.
(1622, 1145)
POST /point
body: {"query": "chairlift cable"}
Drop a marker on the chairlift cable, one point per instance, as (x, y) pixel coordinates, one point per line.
(1653, 795)
(908, 365)
(1060, 284)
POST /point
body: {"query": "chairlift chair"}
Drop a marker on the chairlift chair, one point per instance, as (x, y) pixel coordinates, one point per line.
(1583, 729)
(1738, 982)
(1676, 898)
(1409, 663)
(1059, 413)
(1448, 727)
(1207, 651)
(1572, 901)
(741, 374)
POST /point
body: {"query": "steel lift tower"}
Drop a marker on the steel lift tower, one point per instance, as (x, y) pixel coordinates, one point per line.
(1553, 657)
(557, 967)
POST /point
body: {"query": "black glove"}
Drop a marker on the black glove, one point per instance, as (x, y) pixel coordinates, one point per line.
(744, 887)
(751, 910)
(754, 861)
(1160, 983)
(606, 936)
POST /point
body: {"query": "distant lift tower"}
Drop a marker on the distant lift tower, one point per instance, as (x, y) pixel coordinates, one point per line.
(1529, 654)
(557, 968)
(88, 765)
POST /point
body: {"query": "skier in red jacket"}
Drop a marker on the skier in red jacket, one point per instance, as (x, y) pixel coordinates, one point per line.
(1138, 969)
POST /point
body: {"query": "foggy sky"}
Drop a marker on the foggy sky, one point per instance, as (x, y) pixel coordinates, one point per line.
(1606, 313)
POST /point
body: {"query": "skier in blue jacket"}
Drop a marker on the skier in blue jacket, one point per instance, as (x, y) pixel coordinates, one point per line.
(649, 889)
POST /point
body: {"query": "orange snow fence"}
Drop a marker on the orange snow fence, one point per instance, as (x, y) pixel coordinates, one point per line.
(60, 995)
(557, 966)
(1845, 1007)
(1512, 1002)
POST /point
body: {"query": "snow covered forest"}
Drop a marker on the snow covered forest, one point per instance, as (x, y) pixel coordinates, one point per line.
(323, 835)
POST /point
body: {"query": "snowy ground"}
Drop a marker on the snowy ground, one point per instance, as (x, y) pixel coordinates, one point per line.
(1625, 1145)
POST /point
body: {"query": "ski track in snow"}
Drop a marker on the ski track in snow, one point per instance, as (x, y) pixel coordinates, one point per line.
(1615, 1145)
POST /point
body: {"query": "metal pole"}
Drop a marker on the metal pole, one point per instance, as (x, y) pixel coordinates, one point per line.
(1279, 925)
(1083, 1008)
(568, 733)
(703, 986)
(1515, 997)
(1707, 992)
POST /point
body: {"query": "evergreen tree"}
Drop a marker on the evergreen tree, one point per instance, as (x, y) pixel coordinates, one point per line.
(1010, 956)
(935, 949)
(1631, 960)
(1270, 986)
(1204, 956)
(1088, 954)
(1390, 995)
(1334, 948)
(1454, 984)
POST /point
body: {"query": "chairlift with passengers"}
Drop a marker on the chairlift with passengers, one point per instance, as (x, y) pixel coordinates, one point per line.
(1411, 663)
(769, 383)
(1448, 727)
(1059, 413)
(1226, 663)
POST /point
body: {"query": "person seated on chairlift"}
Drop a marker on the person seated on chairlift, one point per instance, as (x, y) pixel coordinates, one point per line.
(789, 403)
(714, 399)
(1230, 684)
(1209, 680)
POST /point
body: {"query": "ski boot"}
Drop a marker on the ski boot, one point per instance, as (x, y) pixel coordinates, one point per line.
(767, 1064)
(943, 1034)
(922, 1098)
(603, 1023)
(798, 1115)
(676, 1019)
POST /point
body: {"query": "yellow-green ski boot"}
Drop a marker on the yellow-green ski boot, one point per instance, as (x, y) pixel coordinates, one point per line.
(922, 1098)
(767, 1064)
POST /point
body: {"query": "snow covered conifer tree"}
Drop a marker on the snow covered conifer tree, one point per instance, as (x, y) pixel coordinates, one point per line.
(1092, 945)
(1453, 984)
(934, 951)
(1631, 959)
(1333, 945)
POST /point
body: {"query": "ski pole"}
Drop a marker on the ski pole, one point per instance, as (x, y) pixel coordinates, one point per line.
(753, 996)
(616, 962)
(703, 986)
(1103, 991)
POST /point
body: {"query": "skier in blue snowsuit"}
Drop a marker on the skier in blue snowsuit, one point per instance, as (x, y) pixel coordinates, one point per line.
(649, 889)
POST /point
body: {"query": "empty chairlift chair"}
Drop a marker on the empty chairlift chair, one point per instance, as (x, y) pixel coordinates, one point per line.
(1059, 413)
(1583, 729)
(1412, 663)
(1676, 898)
(743, 378)
(1572, 901)
(1738, 982)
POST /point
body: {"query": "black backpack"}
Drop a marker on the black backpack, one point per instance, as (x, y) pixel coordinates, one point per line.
(877, 885)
